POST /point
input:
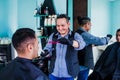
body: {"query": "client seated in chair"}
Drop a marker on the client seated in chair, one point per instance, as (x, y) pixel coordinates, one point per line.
(107, 67)
(25, 42)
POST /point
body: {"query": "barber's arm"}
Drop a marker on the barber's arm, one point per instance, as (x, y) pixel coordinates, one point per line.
(48, 46)
(91, 39)
(77, 42)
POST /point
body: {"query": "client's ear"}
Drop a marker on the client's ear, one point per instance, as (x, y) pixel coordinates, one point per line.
(30, 47)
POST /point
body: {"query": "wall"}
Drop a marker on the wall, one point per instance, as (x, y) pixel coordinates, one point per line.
(3, 18)
(70, 12)
(8, 17)
(60, 6)
(25, 13)
(12, 17)
(105, 16)
(100, 17)
(115, 23)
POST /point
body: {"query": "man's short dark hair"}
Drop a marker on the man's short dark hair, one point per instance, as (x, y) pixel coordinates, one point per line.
(83, 20)
(21, 36)
(63, 16)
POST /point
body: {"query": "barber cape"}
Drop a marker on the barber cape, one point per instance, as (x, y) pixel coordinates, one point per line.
(22, 69)
(108, 65)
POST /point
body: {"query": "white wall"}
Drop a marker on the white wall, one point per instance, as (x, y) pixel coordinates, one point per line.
(25, 13)
(100, 17)
(3, 18)
(70, 13)
(12, 17)
(60, 6)
(115, 23)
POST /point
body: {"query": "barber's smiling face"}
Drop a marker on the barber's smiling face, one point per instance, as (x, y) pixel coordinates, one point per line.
(118, 36)
(62, 26)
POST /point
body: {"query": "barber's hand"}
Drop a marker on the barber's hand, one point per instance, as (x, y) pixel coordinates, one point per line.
(44, 53)
(109, 35)
(63, 40)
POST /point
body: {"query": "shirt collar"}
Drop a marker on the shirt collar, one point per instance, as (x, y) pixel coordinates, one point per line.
(82, 29)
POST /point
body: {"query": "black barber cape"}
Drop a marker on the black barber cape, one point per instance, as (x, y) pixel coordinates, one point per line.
(22, 69)
(108, 65)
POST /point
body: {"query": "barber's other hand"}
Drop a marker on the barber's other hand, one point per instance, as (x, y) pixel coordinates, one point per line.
(109, 35)
(63, 40)
(44, 53)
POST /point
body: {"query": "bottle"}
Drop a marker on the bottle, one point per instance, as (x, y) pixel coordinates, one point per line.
(35, 11)
(53, 20)
(49, 23)
(40, 9)
(41, 31)
(46, 11)
(46, 21)
(38, 32)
